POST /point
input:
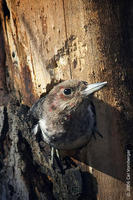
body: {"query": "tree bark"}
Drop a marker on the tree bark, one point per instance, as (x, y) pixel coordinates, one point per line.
(41, 43)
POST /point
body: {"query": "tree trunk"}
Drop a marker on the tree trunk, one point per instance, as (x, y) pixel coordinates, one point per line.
(41, 43)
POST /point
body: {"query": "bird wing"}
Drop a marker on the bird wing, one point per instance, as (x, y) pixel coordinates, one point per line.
(34, 114)
(36, 110)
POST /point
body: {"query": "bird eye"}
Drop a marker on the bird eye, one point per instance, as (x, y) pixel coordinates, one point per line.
(67, 91)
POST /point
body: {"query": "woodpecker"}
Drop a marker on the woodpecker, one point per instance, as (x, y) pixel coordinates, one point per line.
(66, 115)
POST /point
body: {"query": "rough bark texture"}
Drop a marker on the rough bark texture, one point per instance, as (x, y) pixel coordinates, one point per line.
(41, 43)
(25, 169)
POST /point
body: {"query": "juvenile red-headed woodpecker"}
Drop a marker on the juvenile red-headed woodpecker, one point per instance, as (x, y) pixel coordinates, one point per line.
(66, 116)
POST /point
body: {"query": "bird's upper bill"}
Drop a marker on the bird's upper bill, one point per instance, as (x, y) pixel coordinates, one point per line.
(91, 88)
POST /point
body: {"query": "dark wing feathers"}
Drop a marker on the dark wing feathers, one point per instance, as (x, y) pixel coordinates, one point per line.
(36, 110)
(34, 114)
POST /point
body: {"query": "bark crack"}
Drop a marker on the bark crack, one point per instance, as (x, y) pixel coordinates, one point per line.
(5, 9)
(4, 130)
(66, 37)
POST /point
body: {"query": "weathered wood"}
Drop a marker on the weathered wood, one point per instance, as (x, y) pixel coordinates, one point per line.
(48, 41)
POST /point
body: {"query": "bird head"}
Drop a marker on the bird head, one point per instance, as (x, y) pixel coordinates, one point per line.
(69, 94)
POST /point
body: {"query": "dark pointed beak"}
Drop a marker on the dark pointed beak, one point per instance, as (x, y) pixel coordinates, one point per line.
(93, 88)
